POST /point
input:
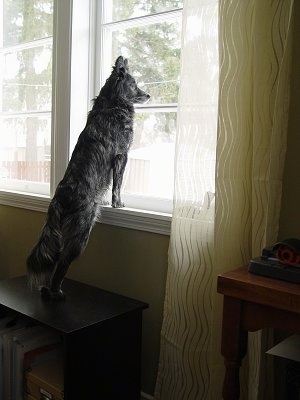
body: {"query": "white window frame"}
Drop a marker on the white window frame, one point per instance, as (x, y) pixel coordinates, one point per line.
(69, 112)
(156, 205)
(61, 78)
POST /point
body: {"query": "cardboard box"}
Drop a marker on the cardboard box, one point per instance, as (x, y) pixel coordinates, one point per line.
(46, 381)
(28, 397)
(289, 379)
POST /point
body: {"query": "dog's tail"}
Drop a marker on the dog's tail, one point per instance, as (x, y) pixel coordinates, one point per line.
(43, 258)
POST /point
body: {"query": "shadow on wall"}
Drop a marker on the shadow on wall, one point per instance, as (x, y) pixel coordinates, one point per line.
(125, 261)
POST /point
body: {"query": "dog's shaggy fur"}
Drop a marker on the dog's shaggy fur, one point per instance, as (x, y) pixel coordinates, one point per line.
(99, 156)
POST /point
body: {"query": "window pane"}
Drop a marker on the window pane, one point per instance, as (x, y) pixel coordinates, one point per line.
(152, 45)
(26, 20)
(119, 9)
(27, 79)
(154, 57)
(150, 167)
(154, 128)
(26, 29)
(25, 148)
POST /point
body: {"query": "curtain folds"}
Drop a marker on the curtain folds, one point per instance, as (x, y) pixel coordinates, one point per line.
(255, 39)
(231, 140)
(184, 371)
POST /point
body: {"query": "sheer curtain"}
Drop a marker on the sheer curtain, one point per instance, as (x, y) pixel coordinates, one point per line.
(231, 140)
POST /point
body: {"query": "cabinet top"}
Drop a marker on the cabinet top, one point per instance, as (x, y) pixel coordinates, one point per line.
(84, 305)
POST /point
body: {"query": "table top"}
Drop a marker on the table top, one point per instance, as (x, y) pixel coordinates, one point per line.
(84, 305)
(247, 286)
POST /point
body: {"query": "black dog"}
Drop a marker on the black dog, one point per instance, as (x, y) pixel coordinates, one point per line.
(99, 156)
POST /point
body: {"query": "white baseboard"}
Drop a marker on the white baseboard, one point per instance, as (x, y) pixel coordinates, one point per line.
(145, 396)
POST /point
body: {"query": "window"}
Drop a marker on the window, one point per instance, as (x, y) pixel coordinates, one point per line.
(54, 57)
(147, 32)
(35, 84)
(26, 41)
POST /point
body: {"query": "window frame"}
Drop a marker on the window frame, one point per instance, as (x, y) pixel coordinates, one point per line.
(63, 106)
(61, 80)
(103, 29)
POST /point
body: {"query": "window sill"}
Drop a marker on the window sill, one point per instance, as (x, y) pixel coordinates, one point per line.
(125, 217)
(137, 219)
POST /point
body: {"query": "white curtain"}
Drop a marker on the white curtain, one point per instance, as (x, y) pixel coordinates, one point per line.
(231, 140)
(184, 371)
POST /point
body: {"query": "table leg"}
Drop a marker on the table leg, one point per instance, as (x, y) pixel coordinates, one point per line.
(234, 346)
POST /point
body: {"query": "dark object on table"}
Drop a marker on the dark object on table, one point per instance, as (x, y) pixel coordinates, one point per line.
(281, 261)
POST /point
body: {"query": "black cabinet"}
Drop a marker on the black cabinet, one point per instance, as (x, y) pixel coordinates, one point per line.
(101, 334)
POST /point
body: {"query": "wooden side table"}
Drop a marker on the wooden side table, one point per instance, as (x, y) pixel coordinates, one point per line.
(252, 302)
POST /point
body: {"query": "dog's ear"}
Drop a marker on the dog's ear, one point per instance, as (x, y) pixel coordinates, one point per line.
(121, 66)
(126, 65)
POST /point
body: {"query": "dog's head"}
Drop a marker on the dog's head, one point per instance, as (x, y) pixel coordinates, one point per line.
(122, 84)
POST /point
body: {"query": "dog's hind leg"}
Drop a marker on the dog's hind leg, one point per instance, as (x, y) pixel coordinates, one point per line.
(54, 292)
(118, 172)
(73, 246)
(43, 258)
(72, 250)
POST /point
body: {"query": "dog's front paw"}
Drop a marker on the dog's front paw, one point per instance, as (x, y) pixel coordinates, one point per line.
(118, 204)
(116, 201)
(103, 203)
(48, 295)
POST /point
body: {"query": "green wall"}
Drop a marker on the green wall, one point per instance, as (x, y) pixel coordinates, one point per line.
(290, 209)
(125, 261)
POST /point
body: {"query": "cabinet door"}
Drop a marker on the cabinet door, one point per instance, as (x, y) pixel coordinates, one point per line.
(104, 360)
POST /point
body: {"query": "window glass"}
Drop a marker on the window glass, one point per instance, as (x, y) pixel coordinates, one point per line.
(148, 33)
(154, 52)
(120, 9)
(26, 79)
(25, 95)
(26, 20)
(150, 169)
(25, 149)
